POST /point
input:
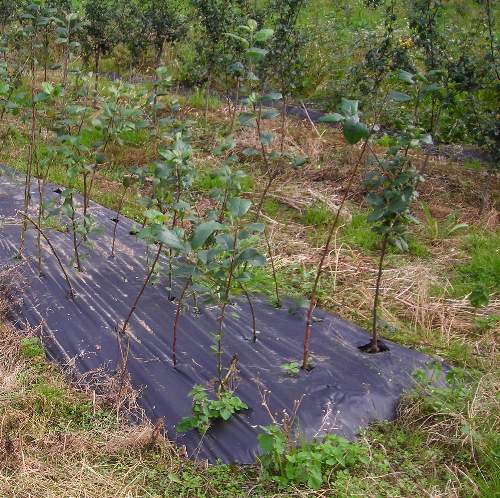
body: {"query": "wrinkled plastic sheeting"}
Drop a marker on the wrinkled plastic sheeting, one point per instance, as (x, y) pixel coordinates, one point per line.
(345, 391)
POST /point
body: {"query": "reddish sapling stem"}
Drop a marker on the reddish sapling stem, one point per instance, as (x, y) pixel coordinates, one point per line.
(326, 250)
(223, 311)
(252, 311)
(273, 268)
(75, 242)
(54, 252)
(374, 346)
(122, 336)
(178, 311)
(123, 329)
(117, 219)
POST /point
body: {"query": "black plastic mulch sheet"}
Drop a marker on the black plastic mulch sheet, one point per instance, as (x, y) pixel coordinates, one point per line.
(345, 391)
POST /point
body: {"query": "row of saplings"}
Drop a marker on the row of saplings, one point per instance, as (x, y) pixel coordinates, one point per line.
(210, 254)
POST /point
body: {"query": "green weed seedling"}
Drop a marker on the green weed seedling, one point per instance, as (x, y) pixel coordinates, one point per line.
(307, 463)
(206, 410)
(292, 369)
(31, 347)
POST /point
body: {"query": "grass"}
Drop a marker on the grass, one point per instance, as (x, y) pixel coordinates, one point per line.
(317, 215)
(198, 100)
(482, 268)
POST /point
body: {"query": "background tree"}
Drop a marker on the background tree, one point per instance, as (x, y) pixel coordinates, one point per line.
(100, 32)
(165, 23)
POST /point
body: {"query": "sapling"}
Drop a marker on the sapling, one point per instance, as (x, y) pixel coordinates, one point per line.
(164, 22)
(43, 166)
(39, 229)
(354, 131)
(285, 64)
(154, 232)
(100, 34)
(254, 41)
(392, 189)
(33, 21)
(161, 85)
(68, 29)
(127, 182)
(226, 265)
(217, 17)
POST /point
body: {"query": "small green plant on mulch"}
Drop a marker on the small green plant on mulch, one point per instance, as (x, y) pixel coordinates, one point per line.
(206, 410)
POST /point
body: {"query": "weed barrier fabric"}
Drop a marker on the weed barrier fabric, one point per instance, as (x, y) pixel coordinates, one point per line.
(345, 391)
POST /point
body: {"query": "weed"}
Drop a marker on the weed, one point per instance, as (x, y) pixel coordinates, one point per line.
(31, 347)
(358, 233)
(316, 216)
(482, 271)
(199, 100)
(206, 410)
(308, 463)
(292, 368)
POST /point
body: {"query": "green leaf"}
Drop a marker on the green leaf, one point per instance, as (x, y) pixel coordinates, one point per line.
(406, 77)
(256, 53)
(238, 207)
(202, 232)
(479, 297)
(263, 35)
(47, 87)
(399, 97)
(349, 107)
(252, 24)
(332, 118)
(272, 96)
(169, 238)
(252, 257)
(255, 227)
(238, 38)
(355, 131)
(266, 138)
(269, 114)
(250, 152)
(246, 118)
(40, 97)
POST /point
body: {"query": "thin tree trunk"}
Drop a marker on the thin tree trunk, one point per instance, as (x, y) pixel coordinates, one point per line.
(54, 252)
(27, 184)
(264, 194)
(223, 312)
(326, 250)
(273, 268)
(73, 229)
(176, 321)
(375, 346)
(39, 220)
(207, 94)
(117, 219)
(252, 311)
(141, 291)
(283, 124)
(96, 82)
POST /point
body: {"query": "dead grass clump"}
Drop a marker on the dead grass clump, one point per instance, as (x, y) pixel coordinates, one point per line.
(11, 288)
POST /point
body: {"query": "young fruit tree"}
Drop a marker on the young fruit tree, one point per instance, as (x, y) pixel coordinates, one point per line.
(391, 191)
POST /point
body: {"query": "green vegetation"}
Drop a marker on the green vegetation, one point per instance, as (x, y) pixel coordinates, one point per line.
(236, 196)
(206, 410)
(483, 268)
